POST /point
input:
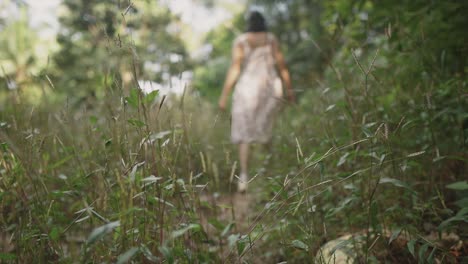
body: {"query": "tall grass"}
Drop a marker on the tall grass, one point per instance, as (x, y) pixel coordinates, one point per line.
(142, 178)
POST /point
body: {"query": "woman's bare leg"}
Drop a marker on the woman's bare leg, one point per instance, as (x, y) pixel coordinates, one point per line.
(244, 157)
(244, 162)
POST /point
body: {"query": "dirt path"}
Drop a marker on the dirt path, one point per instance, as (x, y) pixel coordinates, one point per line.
(233, 213)
(233, 208)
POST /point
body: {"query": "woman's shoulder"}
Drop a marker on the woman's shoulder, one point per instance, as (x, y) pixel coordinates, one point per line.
(240, 39)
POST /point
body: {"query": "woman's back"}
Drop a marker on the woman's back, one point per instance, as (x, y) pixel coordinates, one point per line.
(257, 39)
(258, 57)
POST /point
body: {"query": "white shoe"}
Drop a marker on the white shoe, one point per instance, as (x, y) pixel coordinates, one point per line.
(242, 184)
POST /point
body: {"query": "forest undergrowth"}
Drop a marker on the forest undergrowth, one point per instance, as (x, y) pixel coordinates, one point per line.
(149, 178)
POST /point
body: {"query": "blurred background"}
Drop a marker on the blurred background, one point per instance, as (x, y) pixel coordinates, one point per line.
(109, 124)
(75, 45)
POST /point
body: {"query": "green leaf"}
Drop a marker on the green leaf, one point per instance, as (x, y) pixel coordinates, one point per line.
(232, 239)
(150, 180)
(462, 203)
(180, 232)
(61, 162)
(342, 159)
(149, 98)
(463, 212)
(129, 254)
(430, 259)
(160, 135)
(93, 120)
(321, 169)
(462, 215)
(367, 132)
(330, 107)
(343, 205)
(216, 223)
(144, 249)
(415, 154)
(101, 231)
(227, 229)
(396, 183)
(159, 200)
(4, 146)
(422, 252)
(4, 125)
(167, 253)
(7, 256)
(136, 122)
(300, 245)
(341, 245)
(54, 234)
(410, 246)
(241, 244)
(394, 235)
(132, 174)
(132, 99)
(459, 186)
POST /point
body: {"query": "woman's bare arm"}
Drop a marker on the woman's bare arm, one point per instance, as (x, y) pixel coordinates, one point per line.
(232, 75)
(283, 71)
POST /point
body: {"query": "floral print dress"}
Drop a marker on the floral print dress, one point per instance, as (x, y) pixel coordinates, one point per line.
(257, 94)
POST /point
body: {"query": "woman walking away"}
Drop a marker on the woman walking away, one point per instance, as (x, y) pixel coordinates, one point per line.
(257, 65)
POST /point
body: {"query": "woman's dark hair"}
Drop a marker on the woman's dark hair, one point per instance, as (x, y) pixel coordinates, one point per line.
(256, 22)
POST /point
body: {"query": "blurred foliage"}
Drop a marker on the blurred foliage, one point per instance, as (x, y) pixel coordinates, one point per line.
(210, 71)
(17, 51)
(21, 58)
(124, 41)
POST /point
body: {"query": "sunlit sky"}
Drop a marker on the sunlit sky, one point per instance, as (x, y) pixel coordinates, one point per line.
(43, 16)
(197, 16)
